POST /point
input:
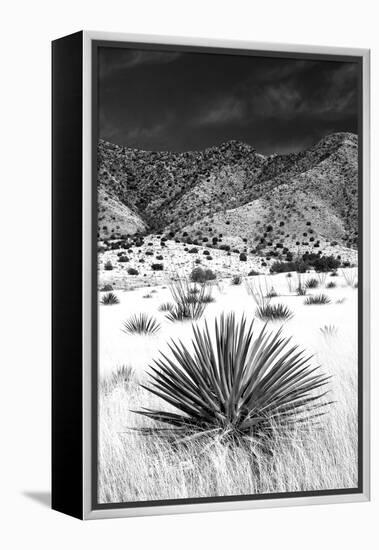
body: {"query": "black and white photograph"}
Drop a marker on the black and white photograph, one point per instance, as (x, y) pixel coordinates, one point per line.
(228, 274)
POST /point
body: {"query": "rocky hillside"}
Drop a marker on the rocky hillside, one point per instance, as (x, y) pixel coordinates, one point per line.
(233, 196)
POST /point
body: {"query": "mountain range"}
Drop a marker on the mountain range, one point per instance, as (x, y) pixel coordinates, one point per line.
(233, 196)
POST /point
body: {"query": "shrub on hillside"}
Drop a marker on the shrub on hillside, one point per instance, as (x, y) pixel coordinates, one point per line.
(200, 275)
(132, 271)
(108, 266)
(157, 267)
(243, 257)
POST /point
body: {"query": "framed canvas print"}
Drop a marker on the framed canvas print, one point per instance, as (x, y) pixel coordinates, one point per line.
(210, 275)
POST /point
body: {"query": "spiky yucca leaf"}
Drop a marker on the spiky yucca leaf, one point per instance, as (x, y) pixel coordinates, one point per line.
(141, 324)
(110, 299)
(236, 383)
(311, 283)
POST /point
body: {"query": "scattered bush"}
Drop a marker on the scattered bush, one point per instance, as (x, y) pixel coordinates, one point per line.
(253, 273)
(141, 324)
(108, 266)
(331, 284)
(200, 275)
(157, 267)
(110, 299)
(326, 263)
(159, 257)
(123, 259)
(106, 288)
(193, 250)
(132, 271)
(236, 280)
(243, 257)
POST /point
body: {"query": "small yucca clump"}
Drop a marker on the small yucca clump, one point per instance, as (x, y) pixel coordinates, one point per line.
(311, 283)
(109, 299)
(235, 384)
(331, 284)
(274, 312)
(317, 300)
(329, 331)
(167, 306)
(141, 324)
(236, 280)
(188, 305)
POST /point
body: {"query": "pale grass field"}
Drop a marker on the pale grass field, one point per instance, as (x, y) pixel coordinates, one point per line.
(135, 467)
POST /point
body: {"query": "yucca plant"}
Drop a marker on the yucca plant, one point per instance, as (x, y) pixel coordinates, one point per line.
(317, 300)
(141, 324)
(331, 284)
(187, 305)
(311, 283)
(350, 277)
(166, 306)
(109, 299)
(274, 312)
(236, 384)
(329, 331)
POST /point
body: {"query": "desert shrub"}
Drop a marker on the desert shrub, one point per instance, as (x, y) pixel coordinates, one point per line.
(157, 267)
(200, 275)
(243, 257)
(109, 299)
(331, 284)
(123, 259)
(149, 253)
(193, 250)
(326, 263)
(132, 271)
(206, 252)
(253, 273)
(236, 280)
(141, 324)
(108, 266)
(106, 288)
(311, 283)
(334, 274)
(317, 300)
(159, 257)
(234, 383)
(271, 293)
(274, 312)
(209, 257)
(284, 267)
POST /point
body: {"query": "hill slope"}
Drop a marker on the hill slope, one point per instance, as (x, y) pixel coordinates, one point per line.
(266, 205)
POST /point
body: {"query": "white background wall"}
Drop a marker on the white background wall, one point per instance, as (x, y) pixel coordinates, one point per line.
(26, 30)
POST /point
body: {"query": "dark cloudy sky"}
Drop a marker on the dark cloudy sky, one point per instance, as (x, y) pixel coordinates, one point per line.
(158, 100)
